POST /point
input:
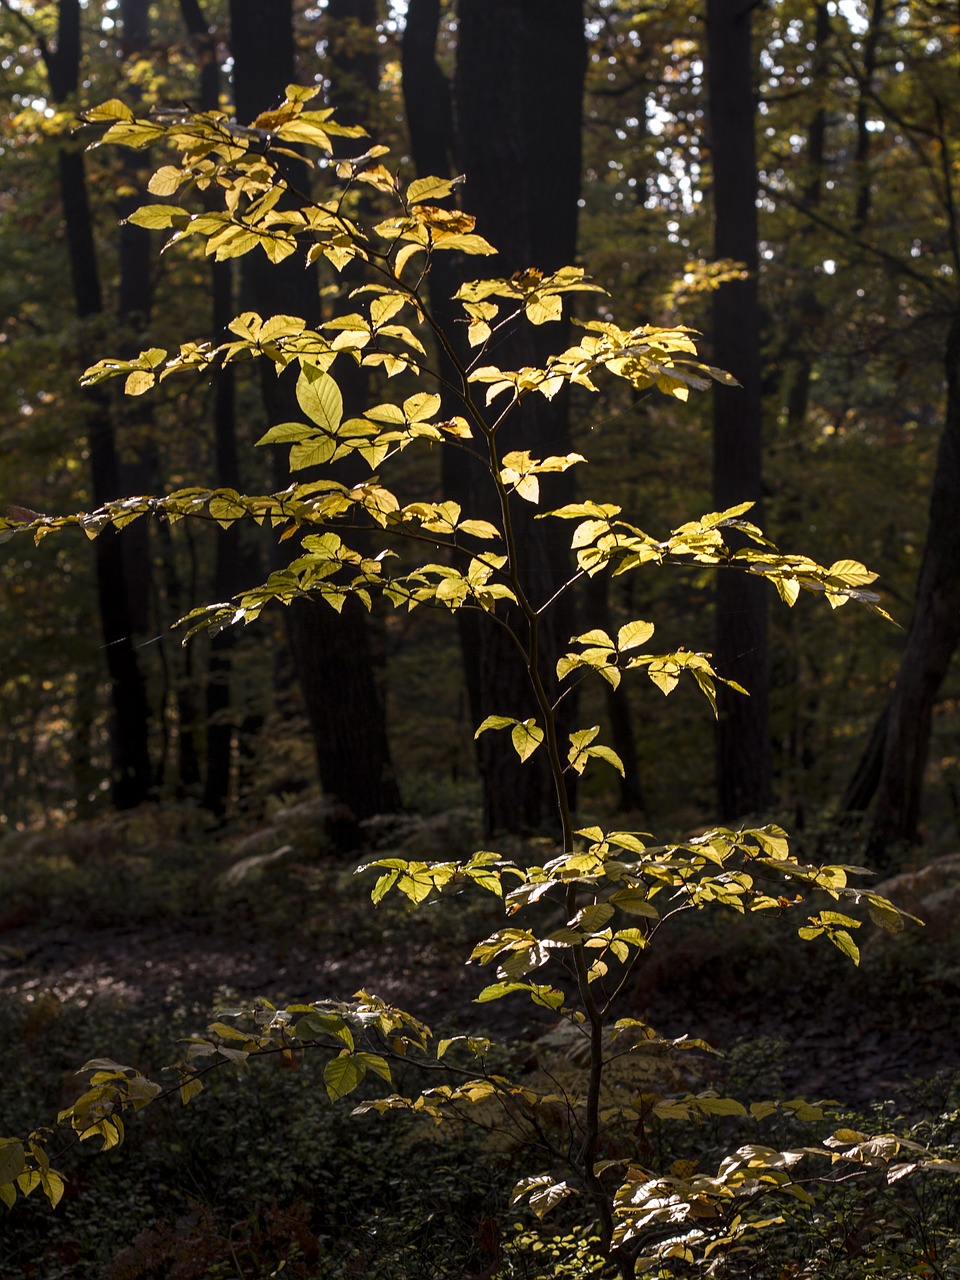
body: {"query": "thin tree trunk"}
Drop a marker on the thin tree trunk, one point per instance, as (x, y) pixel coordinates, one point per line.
(808, 311)
(231, 561)
(130, 767)
(744, 768)
(862, 157)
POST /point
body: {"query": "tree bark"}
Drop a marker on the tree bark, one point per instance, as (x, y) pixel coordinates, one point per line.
(332, 653)
(892, 766)
(931, 642)
(232, 564)
(744, 767)
(518, 95)
(130, 720)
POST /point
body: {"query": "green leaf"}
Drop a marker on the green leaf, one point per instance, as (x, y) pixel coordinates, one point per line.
(319, 397)
(342, 1075)
(497, 990)
(843, 942)
(286, 433)
(593, 918)
(12, 1162)
(377, 1064)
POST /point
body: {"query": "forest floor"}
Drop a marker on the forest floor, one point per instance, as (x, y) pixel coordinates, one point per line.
(122, 936)
(838, 1033)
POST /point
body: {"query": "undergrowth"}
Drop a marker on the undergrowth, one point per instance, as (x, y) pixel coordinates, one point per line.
(268, 1179)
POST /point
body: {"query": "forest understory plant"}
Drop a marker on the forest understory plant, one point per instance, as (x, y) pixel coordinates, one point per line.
(584, 1132)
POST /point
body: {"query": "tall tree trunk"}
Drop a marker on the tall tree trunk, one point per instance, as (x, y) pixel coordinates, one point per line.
(744, 768)
(902, 738)
(130, 721)
(808, 310)
(427, 97)
(331, 652)
(864, 108)
(231, 560)
(893, 762)
(142, 472)
(518, 111)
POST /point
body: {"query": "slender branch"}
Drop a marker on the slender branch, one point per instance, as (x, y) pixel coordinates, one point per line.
(852, 238)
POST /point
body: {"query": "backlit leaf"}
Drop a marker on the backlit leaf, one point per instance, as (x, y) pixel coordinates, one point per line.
(526, 737)
(319, 397)
(634, 634)
(342, 1075)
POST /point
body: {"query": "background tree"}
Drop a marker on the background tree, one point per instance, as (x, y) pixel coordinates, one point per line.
(132, 777)
(516, 109)
(856, 297)
(346, 713)
(744, 766)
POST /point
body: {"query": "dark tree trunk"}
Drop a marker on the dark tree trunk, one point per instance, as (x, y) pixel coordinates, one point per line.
(744, 769)
(231, 560)
(332, 652)
(893, 763)
(130, 768)
(901, 740)
(204, 40)
(864, 110)
(798, 345)
(355, 59)
(142, 471)
(518, 107)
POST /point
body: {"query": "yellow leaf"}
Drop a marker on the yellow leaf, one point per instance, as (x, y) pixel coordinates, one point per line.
(112, 109)
(526, 737)
(189, 1088)
(165, 181)
(319, 397)
(138, 382)
(528, 488)
(456, 427)
(633, 634)
(478, 528)
(53, 1187)
(541, 309)
(404, 256)
(431, 189)
(472, 244)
